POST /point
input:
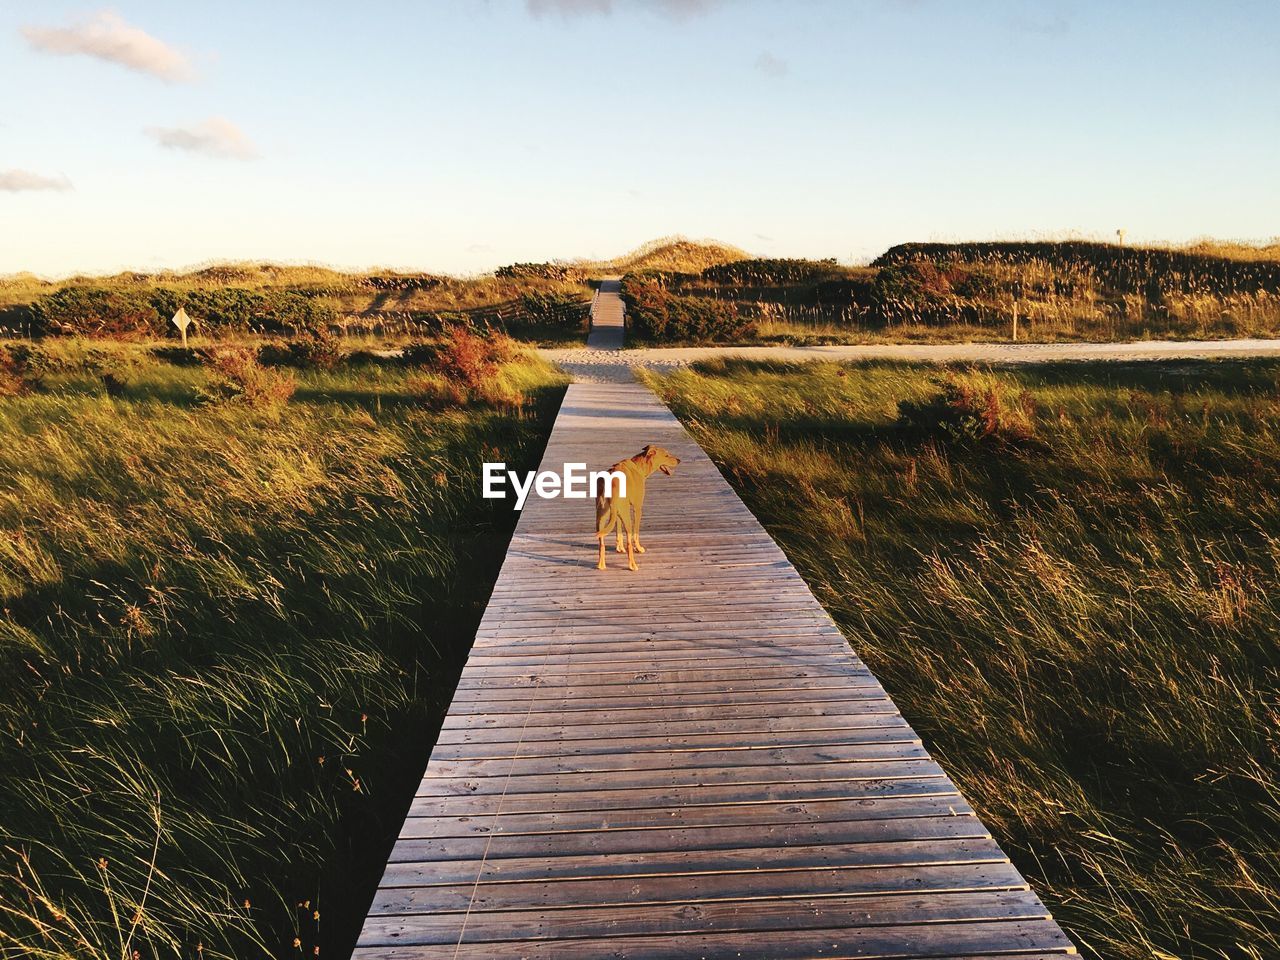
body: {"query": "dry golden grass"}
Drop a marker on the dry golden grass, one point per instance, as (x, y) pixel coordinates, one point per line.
(227, 634)
(1068, 578)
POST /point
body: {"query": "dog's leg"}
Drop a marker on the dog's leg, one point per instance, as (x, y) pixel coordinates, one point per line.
(619, 545)
(639, 512)
(600, 565)
(631, 539)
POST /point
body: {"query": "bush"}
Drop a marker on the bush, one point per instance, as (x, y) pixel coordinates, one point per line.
(973, 408)
(14, 377)
(464, 366)
(319, 350)
(237, 377)
(110, 312)
(542, 271)
(924, 291)
(248, 311)
(95, 311)
(653, 313)
(770, 272)
(1119, 269)
(564, 310)
(469, 358)
(402, 281)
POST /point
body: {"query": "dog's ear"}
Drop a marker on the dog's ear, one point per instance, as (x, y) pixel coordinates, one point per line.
(648, 450)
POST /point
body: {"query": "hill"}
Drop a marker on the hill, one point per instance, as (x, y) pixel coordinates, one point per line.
(677, 254)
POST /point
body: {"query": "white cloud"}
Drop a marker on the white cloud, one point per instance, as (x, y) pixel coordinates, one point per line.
(15, 181)
(772, 66)
(675, 9)
(107, 36)
(215, 137)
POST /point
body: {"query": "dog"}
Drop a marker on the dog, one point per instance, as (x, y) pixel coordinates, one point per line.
(621, 513)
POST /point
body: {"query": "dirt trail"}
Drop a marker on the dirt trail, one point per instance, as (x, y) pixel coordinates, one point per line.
(593, 364)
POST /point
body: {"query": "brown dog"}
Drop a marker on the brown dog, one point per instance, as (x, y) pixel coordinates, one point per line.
(615, 511)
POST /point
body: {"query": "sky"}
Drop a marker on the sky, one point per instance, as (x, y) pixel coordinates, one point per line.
(458, 136)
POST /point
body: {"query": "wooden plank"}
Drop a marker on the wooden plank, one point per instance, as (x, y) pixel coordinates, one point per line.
(651, 690)
(578, 782)
(567, 746)
(924, 940)
(668, 762)
(674, 839)
(640, 715)
(698, 888)
(664, 818)
(402, 873)
(695, 795)
(725, 916)
(713, 699)
(680, 730)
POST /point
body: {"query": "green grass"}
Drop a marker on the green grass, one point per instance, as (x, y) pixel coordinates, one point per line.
(227, 636)
(1082, 623)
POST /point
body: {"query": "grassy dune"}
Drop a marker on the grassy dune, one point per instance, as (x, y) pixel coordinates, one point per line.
(1046, 291)
(227, 635)
(1069, 579)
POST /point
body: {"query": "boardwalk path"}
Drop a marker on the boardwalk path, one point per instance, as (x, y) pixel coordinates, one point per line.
(683, 762)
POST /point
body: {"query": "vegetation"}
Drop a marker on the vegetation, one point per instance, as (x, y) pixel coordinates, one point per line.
(654, 314)
(668, 253)
(1044, 291)
(235, 300)
(1069, 580)
(228, 629)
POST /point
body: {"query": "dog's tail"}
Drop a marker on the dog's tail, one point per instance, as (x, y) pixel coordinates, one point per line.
(606, 517)
(606, 507)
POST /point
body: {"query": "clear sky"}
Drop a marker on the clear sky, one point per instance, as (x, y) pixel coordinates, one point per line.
(458, 136)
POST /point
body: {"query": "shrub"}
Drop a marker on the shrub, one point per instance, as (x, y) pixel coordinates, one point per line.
(111, 312)
(319, 350)
(467, 357)
(14, 381)
(237, 377)
(973, 408)
(565, 310)
(239, 310)
(402, 281)
(95, 311)
(770, 272)
(464, 366)
(1122, 269)
(653, 313)
(542, 271)
(925, 291)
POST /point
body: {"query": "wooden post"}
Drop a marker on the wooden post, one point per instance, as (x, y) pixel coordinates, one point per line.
(1015, 319)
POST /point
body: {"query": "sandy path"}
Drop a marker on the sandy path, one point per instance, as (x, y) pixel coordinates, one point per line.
(613, 365)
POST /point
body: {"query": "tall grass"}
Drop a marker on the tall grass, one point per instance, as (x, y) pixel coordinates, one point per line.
(227, 633)
(1069, 579)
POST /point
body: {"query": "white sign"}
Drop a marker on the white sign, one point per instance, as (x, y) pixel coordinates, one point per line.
(181, 321)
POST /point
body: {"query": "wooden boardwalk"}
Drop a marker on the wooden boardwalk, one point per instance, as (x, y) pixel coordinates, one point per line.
(687, 761)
